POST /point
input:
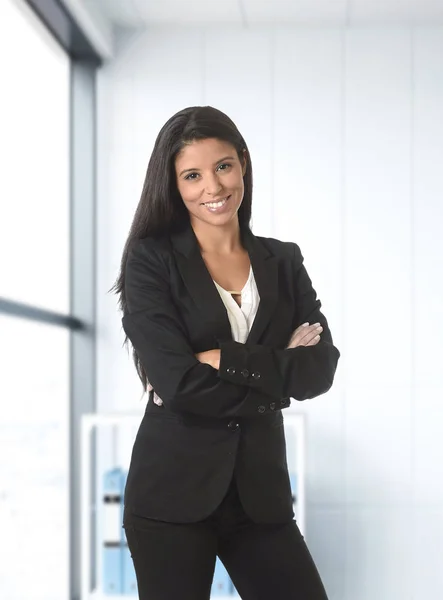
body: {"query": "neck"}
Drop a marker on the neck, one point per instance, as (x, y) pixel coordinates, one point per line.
(218, 239)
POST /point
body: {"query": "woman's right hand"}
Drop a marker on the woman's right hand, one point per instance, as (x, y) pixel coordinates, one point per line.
(305, 335)
(155, 398)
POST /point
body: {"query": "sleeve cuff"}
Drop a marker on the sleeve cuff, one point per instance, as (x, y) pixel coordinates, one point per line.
(234, 363)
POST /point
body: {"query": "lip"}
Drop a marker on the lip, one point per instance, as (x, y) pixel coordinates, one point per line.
(217, 200)
(220, 209)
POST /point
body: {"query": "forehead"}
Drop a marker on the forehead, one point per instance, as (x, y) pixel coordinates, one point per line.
(202, 152)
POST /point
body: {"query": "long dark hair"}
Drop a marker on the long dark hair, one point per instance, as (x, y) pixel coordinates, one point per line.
(161, 210)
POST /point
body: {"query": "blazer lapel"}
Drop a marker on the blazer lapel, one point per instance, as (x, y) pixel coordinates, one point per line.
(199, 283)
(201, 288)
(265, 268)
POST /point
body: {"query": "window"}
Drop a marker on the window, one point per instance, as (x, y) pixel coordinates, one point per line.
(34, 460)
(34, 143)
(34, 270)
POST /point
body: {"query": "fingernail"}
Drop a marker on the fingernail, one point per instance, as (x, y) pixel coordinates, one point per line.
(305, 324)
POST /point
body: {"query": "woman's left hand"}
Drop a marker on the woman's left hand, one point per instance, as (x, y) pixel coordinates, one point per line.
(210, 357)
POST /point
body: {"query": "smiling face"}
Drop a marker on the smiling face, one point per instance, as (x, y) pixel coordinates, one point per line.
(209, 178)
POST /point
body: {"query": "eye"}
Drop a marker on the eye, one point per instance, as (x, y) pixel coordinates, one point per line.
(190, 176)
(226, 165)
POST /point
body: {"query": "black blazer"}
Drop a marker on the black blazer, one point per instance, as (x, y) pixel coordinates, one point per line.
(213, 422)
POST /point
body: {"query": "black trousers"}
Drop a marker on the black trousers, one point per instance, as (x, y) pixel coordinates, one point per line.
(265, 562)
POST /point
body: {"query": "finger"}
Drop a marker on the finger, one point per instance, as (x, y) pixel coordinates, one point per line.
(303, 339)
(150, 387)
(300, 328)
(313, 335)
(299, 331)
(305, 334)
(314, 341)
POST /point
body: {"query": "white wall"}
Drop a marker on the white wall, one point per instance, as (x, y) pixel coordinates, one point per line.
(345, 130)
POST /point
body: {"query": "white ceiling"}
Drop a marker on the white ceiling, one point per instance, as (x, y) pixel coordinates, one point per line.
(142, 13)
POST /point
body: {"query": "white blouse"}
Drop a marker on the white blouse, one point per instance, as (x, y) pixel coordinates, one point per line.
(240, 318)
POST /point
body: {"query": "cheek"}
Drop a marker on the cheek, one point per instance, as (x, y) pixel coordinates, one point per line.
(236, 181)
(190, 195)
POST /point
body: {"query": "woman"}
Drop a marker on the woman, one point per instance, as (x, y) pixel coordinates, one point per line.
(225, 328)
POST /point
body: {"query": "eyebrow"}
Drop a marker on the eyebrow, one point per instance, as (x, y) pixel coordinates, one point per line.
(216, 163)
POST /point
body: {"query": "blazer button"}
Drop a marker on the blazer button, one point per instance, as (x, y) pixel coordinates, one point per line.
(245, 373)
(231, 370)
(272, 406)
(233, 425)
(256, 375)
(261, 409)
(283, 402)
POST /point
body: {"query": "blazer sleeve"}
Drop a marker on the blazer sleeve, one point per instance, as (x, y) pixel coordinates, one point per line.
(301, 373)
(154, 327)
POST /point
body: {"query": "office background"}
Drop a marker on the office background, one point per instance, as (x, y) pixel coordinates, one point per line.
(341, 104)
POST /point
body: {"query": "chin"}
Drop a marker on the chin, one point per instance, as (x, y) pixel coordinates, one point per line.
(219, 221)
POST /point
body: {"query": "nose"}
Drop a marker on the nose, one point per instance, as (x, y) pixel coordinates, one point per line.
(213, 185)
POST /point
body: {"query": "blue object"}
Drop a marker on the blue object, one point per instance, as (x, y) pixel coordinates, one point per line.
(221, 584)
(233, 591)
(113, 540)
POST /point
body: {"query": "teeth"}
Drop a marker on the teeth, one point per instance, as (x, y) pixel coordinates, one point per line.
(216, 204)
